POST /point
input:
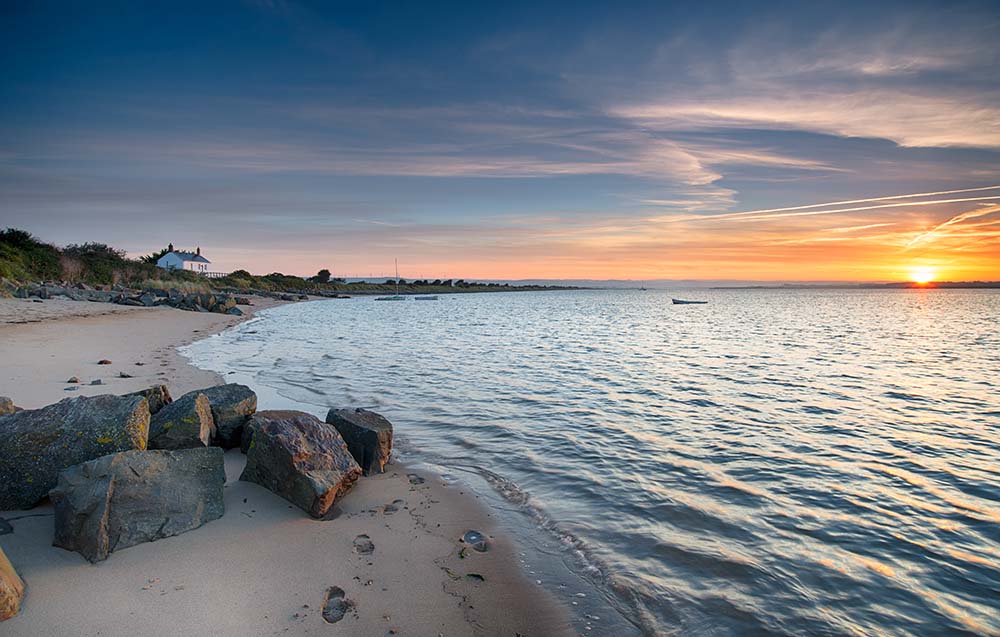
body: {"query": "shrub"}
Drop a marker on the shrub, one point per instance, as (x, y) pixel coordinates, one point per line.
(22, 256)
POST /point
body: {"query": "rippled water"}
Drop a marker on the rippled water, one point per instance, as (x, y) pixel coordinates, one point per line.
(774, 462)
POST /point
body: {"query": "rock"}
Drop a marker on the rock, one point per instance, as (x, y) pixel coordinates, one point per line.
(36, 444)
(97, 381)
(148, 299)
(7, 406)
(73, 379)
(11, 589)
(287, 297)
(124, 375)
(104, 361)
(224, 304)
(158, 397)
(124, 499)
(299, 458)
(186, 422)
(242, 300)
(235, 311)
(367, 434)
(232, 406)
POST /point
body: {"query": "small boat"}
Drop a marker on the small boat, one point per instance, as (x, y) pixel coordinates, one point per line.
(432, 297)
(682, 302)
(397, 296)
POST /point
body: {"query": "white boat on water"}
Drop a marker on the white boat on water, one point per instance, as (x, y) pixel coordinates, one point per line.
(397, 296)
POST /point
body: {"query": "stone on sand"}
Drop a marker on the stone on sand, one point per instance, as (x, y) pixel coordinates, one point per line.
(183, 424)
(232, 406)
(124, 499)
(299, 458)
(11, 589)
(36, 444)
(368, 436)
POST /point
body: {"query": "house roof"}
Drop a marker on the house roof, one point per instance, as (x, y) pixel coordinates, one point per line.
(189, 256)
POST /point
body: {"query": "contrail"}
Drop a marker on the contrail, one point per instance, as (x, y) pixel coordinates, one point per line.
(857, 209)
(956, 219)
(854, 201)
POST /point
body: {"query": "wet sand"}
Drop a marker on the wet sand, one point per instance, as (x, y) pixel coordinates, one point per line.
(265, 567)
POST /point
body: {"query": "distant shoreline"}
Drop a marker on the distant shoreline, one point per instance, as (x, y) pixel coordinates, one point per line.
(905, 285)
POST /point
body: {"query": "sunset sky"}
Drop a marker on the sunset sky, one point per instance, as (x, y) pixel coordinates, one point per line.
(747, 141)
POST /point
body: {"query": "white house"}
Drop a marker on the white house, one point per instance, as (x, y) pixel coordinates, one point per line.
(192, 261)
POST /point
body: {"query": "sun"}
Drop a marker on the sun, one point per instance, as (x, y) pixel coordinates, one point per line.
(922, 275)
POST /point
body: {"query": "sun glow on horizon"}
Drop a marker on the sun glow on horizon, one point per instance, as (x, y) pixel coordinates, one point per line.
(923, 275)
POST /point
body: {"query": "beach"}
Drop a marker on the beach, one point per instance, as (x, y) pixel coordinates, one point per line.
(265, 566)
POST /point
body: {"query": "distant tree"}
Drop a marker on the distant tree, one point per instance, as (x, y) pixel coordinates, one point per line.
(153, 258)
(436, 282)
(323, 276)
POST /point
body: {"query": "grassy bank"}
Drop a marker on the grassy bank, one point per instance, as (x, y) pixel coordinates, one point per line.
(25, 258)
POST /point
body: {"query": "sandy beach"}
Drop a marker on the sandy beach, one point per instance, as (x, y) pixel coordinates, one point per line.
(265, 566)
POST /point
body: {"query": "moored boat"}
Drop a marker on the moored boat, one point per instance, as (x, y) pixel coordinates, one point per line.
(683, 302)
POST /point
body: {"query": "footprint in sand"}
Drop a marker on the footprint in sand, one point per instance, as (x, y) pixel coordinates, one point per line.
(414, 478)
(363, 545)
(393, 506)
(335, 606)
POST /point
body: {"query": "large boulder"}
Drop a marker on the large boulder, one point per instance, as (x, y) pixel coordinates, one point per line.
(232, 406)
(11, 589)
(158, 396)
(367, 434)
(185, 423)
(7, 406)
(36, 444)
(124, 499)
(299, 458)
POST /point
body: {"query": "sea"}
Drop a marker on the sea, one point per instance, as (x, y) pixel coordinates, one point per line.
(771, 462)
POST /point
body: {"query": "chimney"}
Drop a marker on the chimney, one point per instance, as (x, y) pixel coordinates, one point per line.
(170, 248)
(198, 251)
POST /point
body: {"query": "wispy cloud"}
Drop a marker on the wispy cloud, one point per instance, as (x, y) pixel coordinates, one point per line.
(906, 117)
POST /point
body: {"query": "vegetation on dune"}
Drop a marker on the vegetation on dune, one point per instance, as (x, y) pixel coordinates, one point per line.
(22, 256)
(25, 258)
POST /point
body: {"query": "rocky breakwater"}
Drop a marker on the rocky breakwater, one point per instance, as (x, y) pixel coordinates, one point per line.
(109, 492)
(150, 297)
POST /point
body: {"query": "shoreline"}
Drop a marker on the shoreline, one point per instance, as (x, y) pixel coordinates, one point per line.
(264, 566)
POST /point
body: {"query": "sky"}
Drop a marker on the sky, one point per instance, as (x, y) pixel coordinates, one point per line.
(848, 141)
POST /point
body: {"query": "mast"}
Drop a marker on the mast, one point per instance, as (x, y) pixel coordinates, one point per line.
(396, 261)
